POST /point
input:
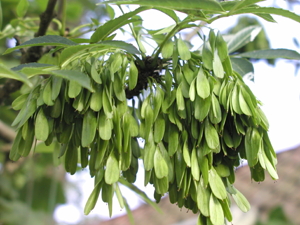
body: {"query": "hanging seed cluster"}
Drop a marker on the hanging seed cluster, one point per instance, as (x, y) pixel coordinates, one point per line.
(198, 121)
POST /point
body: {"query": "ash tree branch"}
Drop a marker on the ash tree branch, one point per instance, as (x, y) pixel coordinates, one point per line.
(10, 86)
(46, 17)
(33, 54)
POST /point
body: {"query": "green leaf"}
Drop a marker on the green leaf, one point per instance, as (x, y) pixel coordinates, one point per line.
(207, 55)
(43, 148)
(242, 66)
(47, 40)
(165, 30)
(89, 126)
(160, 165)
(241, 201)
(203, 196)
(28, 110)
(92, 200)
(33, 65)
(269, 10)
(110, 11)
(112, 25)
(14, 153)
(112, 172)
(140, 193)
(7, 73)
(208, 5)
(272, 54)
(211, 135)
(169, 13)
(119, 195)
(183, 50)
(217, 66)
(266, 17)
(133, 76)
(221, 47)
(215, 211)
(252, 142)
(121, 45)
(244, 4)
(167, 49)
(228, 5)
(22, 8)
(32, 69)
(243, 37)
(199, 14)
(80, 51)
(76, 76)
(216, 184)
(202, 84)
(140, 44)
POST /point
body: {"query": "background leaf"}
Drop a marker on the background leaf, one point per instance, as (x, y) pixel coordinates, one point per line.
(47, 40)
(242, 66)
(243, 4)
(270, 10)
(22, 8)
(208, 5)
(168, 12)
(272, 54)
(243, 37)
(33, 65)
(266, 17)
(112, 25)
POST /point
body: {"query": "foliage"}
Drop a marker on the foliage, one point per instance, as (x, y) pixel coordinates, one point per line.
(100, 98)
(25, 194)
(259, 43)
(276, 216)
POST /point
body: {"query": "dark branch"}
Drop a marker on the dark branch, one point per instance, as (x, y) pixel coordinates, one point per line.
(46, 17)
(7, 88)
(33, 54)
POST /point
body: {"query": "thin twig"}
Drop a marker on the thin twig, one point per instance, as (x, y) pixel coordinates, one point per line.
(190, 35)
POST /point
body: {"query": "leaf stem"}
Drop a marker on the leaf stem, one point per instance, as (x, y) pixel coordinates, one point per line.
(133, 34)
(170, 34)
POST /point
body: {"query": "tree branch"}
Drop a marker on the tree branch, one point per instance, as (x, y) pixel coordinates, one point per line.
(7, 88)
(33, 54)
(46, 17)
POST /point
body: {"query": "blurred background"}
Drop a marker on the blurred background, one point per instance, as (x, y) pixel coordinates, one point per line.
(37, 190)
